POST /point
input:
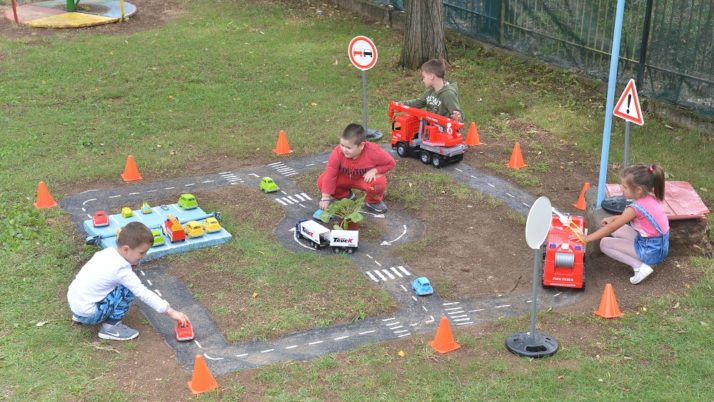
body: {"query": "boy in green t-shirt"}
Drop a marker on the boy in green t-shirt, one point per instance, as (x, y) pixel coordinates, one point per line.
(441, 96)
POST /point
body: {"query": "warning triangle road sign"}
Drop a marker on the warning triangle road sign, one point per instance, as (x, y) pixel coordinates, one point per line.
(628, 107)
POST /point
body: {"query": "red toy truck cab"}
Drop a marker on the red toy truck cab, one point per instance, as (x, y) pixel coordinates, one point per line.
(173, 230)
(431, 137)
(564, 254)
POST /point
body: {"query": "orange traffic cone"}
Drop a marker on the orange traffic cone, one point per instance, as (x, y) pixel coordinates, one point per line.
(516, 161)
(608, 304)
(443, 340)
(472, 137)
(282, 147)
(581, 200)
(202, 380)
(131, 173)
(44, 198)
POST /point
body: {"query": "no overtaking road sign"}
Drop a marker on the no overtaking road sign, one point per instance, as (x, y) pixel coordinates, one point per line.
(362, 52)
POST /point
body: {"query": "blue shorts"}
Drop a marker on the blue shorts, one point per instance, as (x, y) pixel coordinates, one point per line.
(114, 306)
(652, 250)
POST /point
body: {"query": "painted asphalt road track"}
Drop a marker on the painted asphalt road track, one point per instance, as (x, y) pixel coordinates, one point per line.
(414, 315)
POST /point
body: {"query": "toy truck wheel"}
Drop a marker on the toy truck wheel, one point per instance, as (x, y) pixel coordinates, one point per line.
(425, 157)
(350, 250)
(437, 162)
(402, 150)
(336, 250)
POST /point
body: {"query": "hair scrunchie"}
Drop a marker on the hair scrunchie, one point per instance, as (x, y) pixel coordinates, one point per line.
(651, 169)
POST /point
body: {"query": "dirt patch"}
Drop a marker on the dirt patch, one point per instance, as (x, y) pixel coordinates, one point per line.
(151, 14)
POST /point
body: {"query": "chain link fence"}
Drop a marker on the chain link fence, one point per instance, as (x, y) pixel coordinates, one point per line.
(667, 45)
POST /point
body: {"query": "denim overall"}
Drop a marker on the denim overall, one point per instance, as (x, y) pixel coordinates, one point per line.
(651, 250)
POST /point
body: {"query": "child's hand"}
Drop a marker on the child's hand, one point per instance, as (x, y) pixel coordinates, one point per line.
(455, 115)
(324, 203)
(177, 316)
(370, 175)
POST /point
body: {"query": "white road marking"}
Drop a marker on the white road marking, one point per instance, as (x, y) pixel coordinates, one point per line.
(465, 323)
(394, 269)
(142, 273)
(84, 210)
(275, 163)
(403, 335)
(475, 311)
(424, 307)
(369, 256)
(197, 344)
(315, 343)
(299, 197)
(89, 216)
(253, 174)
(472, 176)
(454, 317)
(223, 172)
(158, 293)
(310, 164)
(152, 191)
(403, 288)
(397, 327)
(339, 338)
(525, 204)
(208, 181)
(388, 273)
(557, 294)
(212, 358)
(367, 332)
(510, 195)
(401, 331)
(88, 191)
(291, 347)
(450, 304)
(115, 196)
(453, 308)
(389, 319)
(135, 193)
(287, 200)
(169, 188)
(242, 355)
(281, 201)
(291, 174)
(189, 184)
(283, 192)
(401, 268)
(89, 200)
(267, 350)
(458, 170)
(503, 306)
(393, 323)
(491, 185)
(372, 276)
(431, 319)
(414, 297)
(380, 264)
(389, 243)
(290, 197)
(306, 196)
(149, 282)
(414, 324)
(298, 241)
(376, 271)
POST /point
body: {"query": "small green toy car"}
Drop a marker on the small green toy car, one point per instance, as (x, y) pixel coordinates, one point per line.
(145, 208)
(187, 201)
(267, 185)
(126, 212)
(158, 238)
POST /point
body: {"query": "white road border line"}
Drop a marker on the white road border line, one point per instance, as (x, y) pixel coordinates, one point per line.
(267, 350)
(89, 200)
(315, 343)
(212, 358)
(339, 338)
(291, 347)
(242, 355)
(368, 332)
(135, 193)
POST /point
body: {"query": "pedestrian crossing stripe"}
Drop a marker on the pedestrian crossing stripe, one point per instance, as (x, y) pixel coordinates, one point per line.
(388, 274)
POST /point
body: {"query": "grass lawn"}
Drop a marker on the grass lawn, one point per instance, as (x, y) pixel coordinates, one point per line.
(220, 82)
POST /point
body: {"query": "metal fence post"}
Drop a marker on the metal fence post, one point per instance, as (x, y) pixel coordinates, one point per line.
(644, 45)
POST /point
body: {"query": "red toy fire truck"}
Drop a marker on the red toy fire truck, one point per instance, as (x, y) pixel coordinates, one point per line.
(433, 138)
(564, 252)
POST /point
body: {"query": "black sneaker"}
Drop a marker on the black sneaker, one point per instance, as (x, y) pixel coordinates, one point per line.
(379, 207)
(119, 332)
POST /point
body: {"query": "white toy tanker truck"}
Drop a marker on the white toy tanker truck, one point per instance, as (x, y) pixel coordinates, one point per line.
(320, 237)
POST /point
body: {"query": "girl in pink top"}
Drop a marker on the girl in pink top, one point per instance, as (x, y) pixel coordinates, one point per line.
(645, 241)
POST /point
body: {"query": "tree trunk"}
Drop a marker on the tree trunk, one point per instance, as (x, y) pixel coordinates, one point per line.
(423, 33)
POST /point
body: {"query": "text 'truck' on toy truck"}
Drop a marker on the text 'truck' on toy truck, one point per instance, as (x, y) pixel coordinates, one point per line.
(431, 137)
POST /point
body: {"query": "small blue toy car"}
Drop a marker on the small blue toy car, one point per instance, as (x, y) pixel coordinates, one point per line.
(422, 286)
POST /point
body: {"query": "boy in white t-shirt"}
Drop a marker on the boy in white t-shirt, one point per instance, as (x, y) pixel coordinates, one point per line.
(106, 285)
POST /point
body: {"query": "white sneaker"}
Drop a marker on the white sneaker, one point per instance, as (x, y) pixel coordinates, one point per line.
(641, 273)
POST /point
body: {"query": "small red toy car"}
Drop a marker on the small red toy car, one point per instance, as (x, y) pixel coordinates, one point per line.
(184, 332)
(100, 219)
(564, 254)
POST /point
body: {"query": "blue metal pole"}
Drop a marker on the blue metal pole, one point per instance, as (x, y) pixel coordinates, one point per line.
(614, 58)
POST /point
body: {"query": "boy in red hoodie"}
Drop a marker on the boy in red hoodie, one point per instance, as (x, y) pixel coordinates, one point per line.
(356, 163)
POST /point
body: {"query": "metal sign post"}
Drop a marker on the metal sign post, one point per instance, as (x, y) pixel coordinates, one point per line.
(363, 55)
(532, 343)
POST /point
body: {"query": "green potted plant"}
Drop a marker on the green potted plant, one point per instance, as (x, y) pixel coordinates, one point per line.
(346, 211)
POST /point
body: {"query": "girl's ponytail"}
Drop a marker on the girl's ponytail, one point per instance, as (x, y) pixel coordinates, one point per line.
(658, 182)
